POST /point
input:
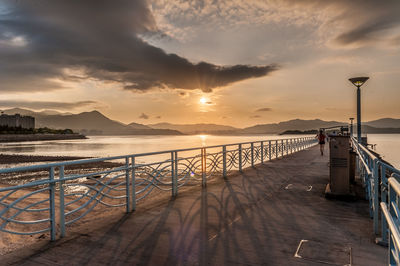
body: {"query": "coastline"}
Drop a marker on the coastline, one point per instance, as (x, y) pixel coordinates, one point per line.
(38, 137)
(15, 160)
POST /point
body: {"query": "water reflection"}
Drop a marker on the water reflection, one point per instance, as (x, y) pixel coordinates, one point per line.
(203, 140)
(101, 146)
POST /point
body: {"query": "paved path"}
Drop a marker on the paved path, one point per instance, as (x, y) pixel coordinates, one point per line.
(259, 217)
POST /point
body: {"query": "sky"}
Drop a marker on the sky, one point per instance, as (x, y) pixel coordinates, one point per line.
(232, 62)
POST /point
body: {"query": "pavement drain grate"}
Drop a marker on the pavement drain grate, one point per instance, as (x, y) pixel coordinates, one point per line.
(326, 253)
(299, 187)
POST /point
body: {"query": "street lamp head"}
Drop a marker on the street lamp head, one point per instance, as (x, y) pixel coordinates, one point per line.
(351, 118)
(358, 81)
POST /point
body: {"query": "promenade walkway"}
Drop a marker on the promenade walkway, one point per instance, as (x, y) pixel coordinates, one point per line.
(259, 217)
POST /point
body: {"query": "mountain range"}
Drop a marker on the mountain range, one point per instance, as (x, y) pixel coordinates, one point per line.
(95, 123)
(89, 123)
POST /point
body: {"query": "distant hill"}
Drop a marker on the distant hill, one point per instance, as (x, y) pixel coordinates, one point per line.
(138, 126)
(196, 128)
(32, 113)
(384, 122)
(89, 123)
(296, 124)
(378, 130)
(95, 123)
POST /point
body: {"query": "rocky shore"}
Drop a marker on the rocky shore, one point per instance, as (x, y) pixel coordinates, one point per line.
(14, 160)
(38, 137)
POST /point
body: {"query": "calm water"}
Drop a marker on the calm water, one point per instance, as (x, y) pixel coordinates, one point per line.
(101, 146)
(388, 145)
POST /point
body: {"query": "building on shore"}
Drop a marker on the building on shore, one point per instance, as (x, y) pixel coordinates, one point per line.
(17, 121)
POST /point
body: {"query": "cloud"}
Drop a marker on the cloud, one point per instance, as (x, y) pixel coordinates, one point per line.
(158, 117)
(341, 21)
(265, 109)
(255, 116)
(47, 39)
(144, 116)
(367, 32)
(395, 41)
(38, 105)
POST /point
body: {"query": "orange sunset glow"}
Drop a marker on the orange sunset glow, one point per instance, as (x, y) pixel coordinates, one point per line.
(155, 58)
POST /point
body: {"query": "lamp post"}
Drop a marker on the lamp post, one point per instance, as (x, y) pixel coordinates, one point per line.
(358, 82)
(351, 125)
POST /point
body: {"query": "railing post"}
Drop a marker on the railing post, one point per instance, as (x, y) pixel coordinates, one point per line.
(376, 196)
(127, 181)
(252, 154)
(291, 146)
(52, 206)
(133, 183)
(240, 157)
(384, 199)
(203, 167)
(262, 152)
(287, 147)
(282, 148)
(176, 172)
(392, 199)
(269, 150)
(276, 149)
(224, 161)
(173, 174)
(62, 202)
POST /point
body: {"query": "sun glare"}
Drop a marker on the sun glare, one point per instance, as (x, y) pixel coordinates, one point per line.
(203, 100)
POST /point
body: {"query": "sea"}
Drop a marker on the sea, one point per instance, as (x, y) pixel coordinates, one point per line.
(388, 145)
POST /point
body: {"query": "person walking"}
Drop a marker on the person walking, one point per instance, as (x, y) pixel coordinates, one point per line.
(321, 140)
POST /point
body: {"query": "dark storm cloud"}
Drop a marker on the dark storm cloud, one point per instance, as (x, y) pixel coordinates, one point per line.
(46, 104)
(40, 39)
(265, 109)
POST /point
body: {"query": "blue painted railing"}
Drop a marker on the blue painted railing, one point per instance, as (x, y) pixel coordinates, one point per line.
(391, 215)
(65, 192)
(375, 175)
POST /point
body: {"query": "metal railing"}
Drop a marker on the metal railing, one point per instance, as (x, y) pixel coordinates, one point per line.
(391, 214)
(63, 193)
(375, 175)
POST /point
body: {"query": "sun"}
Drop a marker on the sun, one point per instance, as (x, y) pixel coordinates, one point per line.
(203, 100)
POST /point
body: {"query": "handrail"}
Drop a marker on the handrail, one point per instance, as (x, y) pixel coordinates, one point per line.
(78, 191)
(365, 149)
(381, 192)
(390, 213)
(395, 185)
(392, 225)
(95, 160)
